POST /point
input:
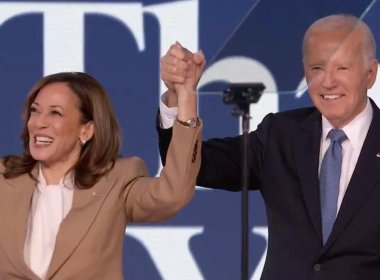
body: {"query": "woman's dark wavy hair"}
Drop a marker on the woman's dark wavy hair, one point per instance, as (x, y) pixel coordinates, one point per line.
(98, 155)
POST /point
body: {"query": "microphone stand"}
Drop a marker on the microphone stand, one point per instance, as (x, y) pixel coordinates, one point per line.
(242, 95)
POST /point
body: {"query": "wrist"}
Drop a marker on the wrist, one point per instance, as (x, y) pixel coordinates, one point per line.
(186, 97)
(171, 99)
(192, 122)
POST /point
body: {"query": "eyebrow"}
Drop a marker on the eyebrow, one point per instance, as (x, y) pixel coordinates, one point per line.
(51, 106)
(56, 106)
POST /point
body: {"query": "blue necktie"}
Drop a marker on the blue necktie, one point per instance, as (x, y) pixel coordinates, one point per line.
(329, 178)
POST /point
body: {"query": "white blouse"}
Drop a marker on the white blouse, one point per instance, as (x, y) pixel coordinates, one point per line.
(50, 205)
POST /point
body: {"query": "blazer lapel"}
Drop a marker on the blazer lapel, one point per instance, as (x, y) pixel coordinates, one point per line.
(307, 156)
(14, 215)
(364, 178)
(86, 205)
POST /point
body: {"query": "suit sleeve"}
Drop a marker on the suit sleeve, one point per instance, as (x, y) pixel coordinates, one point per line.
(156, 199)
(221, 166)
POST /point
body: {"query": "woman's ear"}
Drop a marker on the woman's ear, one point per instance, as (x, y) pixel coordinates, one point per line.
(87, 132)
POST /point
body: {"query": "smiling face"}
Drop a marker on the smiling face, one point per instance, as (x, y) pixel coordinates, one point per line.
(55, 128)
(339, 72)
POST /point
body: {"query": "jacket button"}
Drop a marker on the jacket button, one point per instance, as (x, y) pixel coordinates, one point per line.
(317, 267)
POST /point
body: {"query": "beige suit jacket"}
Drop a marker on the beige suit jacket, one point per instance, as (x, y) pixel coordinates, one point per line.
(89, 243)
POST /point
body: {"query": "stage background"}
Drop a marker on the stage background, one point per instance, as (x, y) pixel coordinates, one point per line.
(120, 43)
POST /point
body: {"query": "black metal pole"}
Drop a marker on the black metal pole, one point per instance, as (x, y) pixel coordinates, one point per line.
(243, 94)
(245, 199)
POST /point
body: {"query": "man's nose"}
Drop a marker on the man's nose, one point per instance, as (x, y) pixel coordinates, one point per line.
(329, 78)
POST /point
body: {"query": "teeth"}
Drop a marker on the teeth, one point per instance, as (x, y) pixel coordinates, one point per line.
(43, 140)
(331, 96)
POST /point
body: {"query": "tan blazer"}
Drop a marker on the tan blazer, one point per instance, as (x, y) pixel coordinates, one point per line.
(89, 243)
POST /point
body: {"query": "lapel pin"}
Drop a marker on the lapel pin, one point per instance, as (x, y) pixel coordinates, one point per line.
(378, 155)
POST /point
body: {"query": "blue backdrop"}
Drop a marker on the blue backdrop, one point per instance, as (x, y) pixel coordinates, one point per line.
(120, 43)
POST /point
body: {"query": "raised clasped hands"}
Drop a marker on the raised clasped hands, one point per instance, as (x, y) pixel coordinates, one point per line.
(181, 71)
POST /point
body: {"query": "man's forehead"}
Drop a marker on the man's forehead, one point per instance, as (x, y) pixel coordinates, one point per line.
(344, 36)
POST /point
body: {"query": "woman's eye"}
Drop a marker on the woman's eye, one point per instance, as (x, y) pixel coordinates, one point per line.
(56, 113)
(33, 110)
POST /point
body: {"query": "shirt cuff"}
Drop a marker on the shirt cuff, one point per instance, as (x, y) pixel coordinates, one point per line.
(167, 115)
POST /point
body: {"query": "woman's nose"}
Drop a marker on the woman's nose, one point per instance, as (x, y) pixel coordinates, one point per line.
(41, 120)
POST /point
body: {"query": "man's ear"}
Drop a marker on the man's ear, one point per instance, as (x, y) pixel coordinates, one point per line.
(372, 72)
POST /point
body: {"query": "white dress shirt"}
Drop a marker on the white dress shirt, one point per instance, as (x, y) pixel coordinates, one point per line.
(356, 132)
(167, 115)
(50, 205)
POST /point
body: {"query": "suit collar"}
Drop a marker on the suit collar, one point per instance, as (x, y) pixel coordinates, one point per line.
(14, 216)
(85, 208)
(363, 180)
(307, 157)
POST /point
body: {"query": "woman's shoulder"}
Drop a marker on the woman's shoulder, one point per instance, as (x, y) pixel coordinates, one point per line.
(122, 161)
(130, 165)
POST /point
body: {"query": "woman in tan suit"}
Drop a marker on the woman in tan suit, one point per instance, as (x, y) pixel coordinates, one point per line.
(65, 202)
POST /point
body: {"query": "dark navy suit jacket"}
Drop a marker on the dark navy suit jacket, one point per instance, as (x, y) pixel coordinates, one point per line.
(283, 166)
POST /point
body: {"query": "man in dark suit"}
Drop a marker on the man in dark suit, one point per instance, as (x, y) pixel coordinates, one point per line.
(322, 194)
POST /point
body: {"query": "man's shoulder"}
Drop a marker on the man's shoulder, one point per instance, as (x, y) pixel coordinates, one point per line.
(298, 115)
(290, 121)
